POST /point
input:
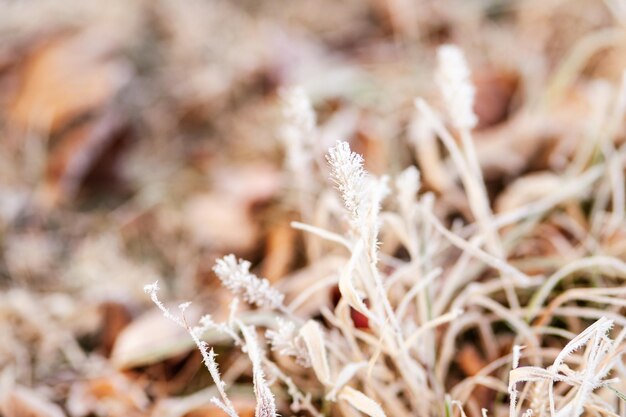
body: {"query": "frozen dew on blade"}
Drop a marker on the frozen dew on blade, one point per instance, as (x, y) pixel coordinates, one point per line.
(235, 275)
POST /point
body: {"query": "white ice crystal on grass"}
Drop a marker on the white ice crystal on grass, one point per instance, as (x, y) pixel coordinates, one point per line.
(517, 354)
(286, 341)
(595, 366)
(408, 184)
(453, 79)
(208, 355)
(297, 132)
(350, 178)
(299, 115)
(236, 276)
(265, 405)
(361, 193)
(377, 350)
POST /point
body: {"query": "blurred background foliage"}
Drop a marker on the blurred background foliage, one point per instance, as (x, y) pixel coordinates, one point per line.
(140, 141)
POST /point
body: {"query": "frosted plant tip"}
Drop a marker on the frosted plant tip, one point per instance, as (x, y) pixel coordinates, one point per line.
(182, 307)
(517, 353)
(454, 81)
(151, 288)
(236, 276)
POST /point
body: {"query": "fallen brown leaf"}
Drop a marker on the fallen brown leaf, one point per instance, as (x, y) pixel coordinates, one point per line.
(85, 149)
(495, 90)
(150, 339)
(220, 221)
(279, 251)
(65, 91)
(68, 76)
(113, 395)
(115, 317)
(252, 183)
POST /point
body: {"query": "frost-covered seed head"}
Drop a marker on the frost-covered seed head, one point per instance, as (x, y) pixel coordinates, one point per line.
(349, 176)
(297, 109)
(453, 79)
(407, 185)
(235, 275)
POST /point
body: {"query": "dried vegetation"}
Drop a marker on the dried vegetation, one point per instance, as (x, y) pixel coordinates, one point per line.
(382, 208)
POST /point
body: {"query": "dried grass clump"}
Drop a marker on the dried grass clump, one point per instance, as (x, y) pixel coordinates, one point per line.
(433, 319)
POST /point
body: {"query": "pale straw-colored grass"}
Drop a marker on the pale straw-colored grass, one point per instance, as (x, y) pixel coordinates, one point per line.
(563, 348)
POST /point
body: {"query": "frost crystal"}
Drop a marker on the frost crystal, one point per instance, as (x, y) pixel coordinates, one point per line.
(362, 194)
(235, 275)
(265, 405)
(298, 129)
(453, 79)
(349, 176)
(286, 341)
(298, 111)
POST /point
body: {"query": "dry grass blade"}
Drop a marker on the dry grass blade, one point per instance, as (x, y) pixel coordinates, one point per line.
(387, 207)
(361, 402)
(266, 405)
(594, 369)
(314, 340)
